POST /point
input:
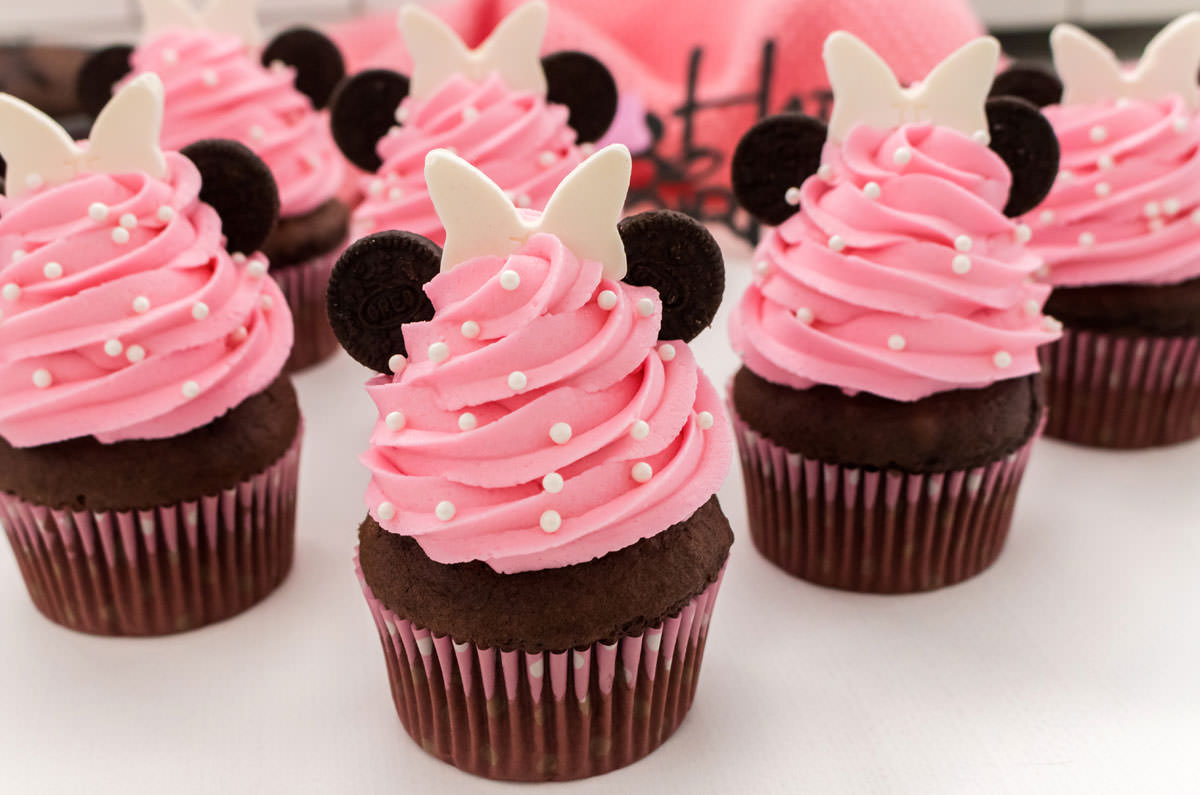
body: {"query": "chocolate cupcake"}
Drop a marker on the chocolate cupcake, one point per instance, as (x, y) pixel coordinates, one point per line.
(148, 444)
(523, 120)
(1120, 233)
(544, 545)
(222, 82)
(890, 397)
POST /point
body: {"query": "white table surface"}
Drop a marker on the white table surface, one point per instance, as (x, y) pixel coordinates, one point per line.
(1071, 666)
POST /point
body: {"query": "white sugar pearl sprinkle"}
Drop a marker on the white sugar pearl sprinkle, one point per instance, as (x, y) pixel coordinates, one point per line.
(470, 329)
(792, 196)
(129, 221)
(642, 472)
(551, 522)
(240, 333)
(42, 378)
(1171, 206)
(517, 381)
(445, 510)
(114, 348)
(135, 353)
(872, 190)
(470, 113)
(98, 211)
(52, 270)
(805, 315)
(1023, 233)
(257, 132)
(397, 363)
(238, 258)
(210, 78)
(523, 200)
(1046, 217)
(375, 188)
(640, 430)
(897, 343)
(190, 390)
(439, 352)
(553, 483)
(267, 302)
(199, 310)
(837, 243)
(666, 352)
(1098, 134)
(705, 420)
(166, 214)
(1180, 125)
(1196, 216)
(607, 300)
(1032, 308)
(560, 433)
(645, 307)
(1103, 189)
(963, 243)
(1105, 162)
(18, 255)
(11, 292)
(825, 172)
(1003, 359)
(981, 137)
(386, 511)
(510, 280)
(256, 269)
(1087, 239)
(961, 264)
(395, 420)
(120, 235)
(170, 56)
(395, 194)
(141, 305)
(1152, 209)
(467, 422)
(902, 156)
(762, 267)
(547, 159)
(401, 115)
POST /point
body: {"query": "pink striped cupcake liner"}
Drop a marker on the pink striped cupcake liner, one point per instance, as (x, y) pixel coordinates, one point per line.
(304, 287)
(876, 531)
(546, 716)
(163, 570)
(1105, 390)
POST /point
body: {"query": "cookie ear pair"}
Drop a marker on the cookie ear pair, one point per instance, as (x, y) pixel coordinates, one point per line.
(378, 284)
(780, 152)
(316, 59)
(363, 109)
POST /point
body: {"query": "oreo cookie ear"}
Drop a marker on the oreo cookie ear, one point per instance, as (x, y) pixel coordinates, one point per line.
(240, 187)
(362, 111)
(1031, 82)
(97, 75)
(317, 60)
(376, 287)
(1023, 137)
(586, 87)
(677, 256)
(774, 156)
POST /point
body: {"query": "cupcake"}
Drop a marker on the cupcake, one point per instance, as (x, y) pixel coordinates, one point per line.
(889, 395)
(524, 122)
(148, 443)
(544, 545)
(1120, 234)
(222, 83)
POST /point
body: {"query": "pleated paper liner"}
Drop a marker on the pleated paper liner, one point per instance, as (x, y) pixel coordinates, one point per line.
(163, 570)
(876, 531)
(1123, 392)
(304, 287)
(549, 716)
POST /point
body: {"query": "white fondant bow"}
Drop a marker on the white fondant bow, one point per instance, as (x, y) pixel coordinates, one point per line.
(1090, 72)
(512, 51)
(480, 220)
(124, 139)
(236, 17)
(867, 92)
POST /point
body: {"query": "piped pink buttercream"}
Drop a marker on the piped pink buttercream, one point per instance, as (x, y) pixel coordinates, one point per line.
(471, 441)
(920, 288)
(517, 138)
(1125, 207)
(138, 331)
(216, 88)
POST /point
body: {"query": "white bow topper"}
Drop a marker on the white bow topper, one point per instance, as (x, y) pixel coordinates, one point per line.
(512, 51)
(123, 140)
(866, 91)
(1090, 72)
(480, 220)
(236, 17)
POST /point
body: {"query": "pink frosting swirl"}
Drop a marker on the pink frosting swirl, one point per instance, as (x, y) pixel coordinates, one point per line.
(123, 315)
(535, 428)
(1126, 206)
(900, 276)
(216, 89)
(518, 139)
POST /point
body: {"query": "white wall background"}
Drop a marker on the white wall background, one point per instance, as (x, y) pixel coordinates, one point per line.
(101, 20)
